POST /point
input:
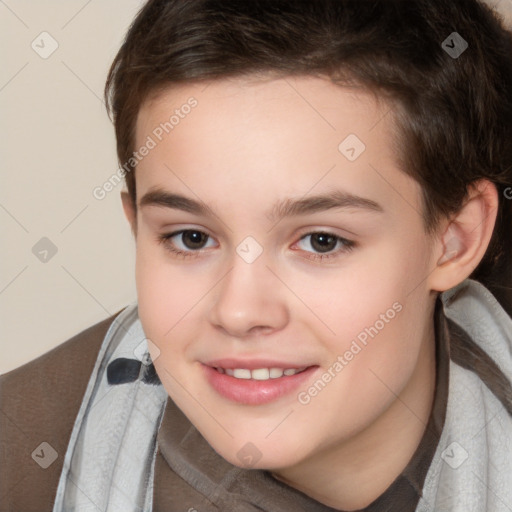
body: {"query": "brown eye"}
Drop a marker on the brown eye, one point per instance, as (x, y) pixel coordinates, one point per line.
(323, 242)
(193, 239)
(185, 243)
(323, 246)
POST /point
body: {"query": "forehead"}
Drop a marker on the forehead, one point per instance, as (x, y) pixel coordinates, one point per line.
(315, 100)
(266, 135)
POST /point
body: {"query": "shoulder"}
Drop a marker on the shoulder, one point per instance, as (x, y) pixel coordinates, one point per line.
(477, 311)
(481, 337)
(71, 361)
(39, 402)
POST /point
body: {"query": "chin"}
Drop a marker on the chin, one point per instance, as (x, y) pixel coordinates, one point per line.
(249, 456)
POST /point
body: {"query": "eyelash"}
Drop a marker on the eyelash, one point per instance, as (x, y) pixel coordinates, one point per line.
(348, 245)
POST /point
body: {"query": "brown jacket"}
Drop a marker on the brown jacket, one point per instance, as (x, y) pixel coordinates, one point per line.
(39, 403)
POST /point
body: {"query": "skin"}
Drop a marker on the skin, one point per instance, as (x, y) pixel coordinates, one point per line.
(249, 143)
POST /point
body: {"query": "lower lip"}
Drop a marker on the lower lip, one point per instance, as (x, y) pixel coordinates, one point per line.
(256, 392)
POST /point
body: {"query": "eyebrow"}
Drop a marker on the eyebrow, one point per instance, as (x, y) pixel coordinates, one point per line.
(284, 208)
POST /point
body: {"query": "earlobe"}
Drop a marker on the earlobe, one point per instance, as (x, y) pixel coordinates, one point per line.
(466, 238)
(129, 211)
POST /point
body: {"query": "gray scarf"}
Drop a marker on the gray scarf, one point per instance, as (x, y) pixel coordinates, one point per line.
(108, 465)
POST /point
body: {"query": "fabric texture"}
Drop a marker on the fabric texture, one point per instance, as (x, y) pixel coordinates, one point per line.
(39, 402)
(108, 464)
(472, 468)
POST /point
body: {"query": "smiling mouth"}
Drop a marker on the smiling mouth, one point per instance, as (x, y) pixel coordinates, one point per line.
(259, 384)
(260, 373)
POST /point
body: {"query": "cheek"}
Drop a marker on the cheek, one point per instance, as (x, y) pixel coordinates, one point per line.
(374, 322)
(166, 295)
(166, 300)
(381, 323)
(373, 374)
(351, 298)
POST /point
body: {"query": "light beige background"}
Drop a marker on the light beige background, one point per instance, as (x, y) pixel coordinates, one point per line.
(57, 146)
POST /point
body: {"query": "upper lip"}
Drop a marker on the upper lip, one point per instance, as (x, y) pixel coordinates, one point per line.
(253, 364)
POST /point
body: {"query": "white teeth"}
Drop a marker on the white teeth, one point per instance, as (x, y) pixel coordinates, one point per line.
(275, 373)
(259, 373)
(240, 373)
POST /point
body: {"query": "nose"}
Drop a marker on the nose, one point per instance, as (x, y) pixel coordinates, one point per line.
(249, 300)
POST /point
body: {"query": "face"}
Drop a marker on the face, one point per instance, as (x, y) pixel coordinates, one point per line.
(275, 232)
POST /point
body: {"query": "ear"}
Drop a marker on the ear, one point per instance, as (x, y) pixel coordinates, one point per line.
(463, 241)
(129, 211)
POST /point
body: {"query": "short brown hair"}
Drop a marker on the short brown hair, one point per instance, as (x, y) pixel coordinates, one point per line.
(453, 115)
